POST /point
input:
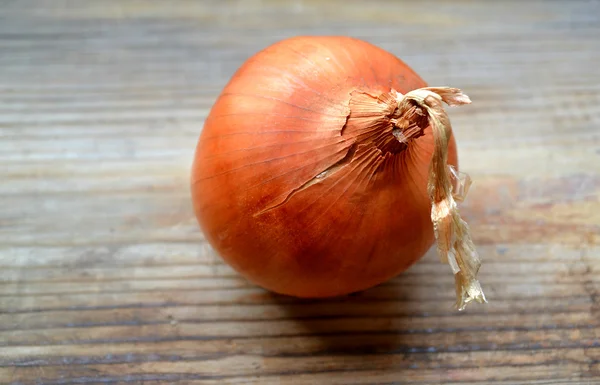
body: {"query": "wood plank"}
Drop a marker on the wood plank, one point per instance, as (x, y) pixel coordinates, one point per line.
(521, 366)
(553, 310)
(452, 338)
(189, 282)
(282, 346)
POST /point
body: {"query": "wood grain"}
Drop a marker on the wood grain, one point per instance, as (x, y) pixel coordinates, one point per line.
(105, 277)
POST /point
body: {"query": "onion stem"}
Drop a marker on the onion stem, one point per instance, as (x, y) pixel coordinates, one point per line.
(454, 244)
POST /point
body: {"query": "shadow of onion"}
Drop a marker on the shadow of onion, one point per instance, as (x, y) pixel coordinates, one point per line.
(396, 317)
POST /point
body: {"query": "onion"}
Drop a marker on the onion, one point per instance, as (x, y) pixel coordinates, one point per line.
(327, 166)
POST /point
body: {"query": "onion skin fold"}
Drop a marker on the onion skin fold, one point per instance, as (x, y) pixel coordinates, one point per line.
(299, 182)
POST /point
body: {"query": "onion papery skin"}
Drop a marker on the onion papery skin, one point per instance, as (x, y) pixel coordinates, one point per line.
(298, 182)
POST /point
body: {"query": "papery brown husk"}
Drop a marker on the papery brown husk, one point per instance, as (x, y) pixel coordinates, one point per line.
(454, 243)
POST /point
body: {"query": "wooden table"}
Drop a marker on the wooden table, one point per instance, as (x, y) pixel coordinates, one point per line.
(105, 277)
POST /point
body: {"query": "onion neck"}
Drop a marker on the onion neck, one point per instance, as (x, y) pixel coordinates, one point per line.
(416, 110)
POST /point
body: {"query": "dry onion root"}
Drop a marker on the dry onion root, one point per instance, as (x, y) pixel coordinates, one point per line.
(322, 166)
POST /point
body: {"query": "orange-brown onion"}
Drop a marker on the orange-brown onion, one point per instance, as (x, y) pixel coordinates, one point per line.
(298, 182)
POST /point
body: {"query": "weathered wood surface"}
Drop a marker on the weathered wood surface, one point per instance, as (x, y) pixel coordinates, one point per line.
(104, 276)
